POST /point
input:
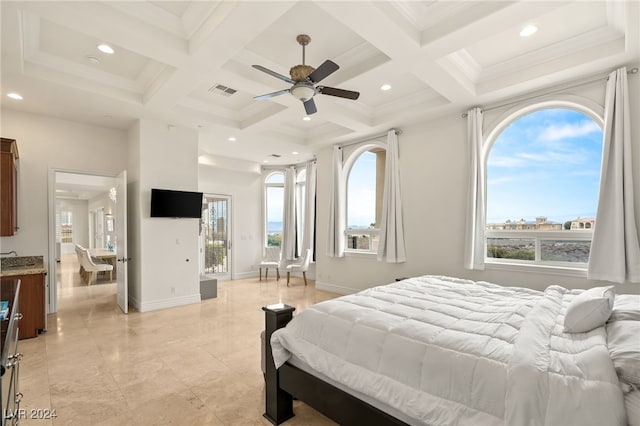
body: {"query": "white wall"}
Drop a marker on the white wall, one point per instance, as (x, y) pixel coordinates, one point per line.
(167, 248)
(245, 189)
(80, 221)
(434, 187)
(44, 143)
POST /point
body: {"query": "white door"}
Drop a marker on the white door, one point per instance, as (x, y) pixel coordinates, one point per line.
(215, 236)
(121, 240)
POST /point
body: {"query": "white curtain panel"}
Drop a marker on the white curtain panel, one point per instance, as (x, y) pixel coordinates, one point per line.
(615, 252)
(476, 210)
(391, 247)
(309, 231)
(337, 201)
(289, 215)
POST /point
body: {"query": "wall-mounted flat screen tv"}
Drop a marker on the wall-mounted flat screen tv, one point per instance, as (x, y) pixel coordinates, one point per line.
(168, 203)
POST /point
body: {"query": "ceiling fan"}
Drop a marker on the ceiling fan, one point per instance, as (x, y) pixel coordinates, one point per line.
(303, 78)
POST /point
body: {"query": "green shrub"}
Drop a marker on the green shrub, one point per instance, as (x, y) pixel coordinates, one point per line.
(509, 252)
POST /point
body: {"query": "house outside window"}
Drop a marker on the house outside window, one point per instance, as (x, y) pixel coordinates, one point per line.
(364, 170)
(543, 177)
(273, 208)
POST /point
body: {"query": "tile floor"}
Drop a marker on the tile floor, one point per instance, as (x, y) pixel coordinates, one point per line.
(191, 365)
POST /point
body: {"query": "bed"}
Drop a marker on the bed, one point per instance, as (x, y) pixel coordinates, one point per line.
(439, 350)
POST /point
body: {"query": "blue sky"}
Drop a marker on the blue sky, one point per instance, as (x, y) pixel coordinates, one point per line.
(547, 163)
(362, 191)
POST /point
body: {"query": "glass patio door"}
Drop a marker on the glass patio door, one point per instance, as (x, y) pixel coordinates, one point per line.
(215, 236)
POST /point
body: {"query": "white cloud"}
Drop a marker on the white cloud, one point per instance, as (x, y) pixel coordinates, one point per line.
(500, 161)
(574, 130)
(555, 157)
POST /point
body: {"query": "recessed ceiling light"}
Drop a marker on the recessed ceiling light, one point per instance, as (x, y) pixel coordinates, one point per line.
(295, 153)
(528, 31)
(232, 139)
(105, 48)
(385, 87)
(93, 59)
(265, 161)
(15, 96)
(306, 118)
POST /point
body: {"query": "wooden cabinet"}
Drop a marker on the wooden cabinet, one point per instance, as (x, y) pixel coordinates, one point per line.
(8, 187)
(31, 304)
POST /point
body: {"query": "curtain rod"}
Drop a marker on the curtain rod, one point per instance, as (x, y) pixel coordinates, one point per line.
(552, 91)
(398, 132)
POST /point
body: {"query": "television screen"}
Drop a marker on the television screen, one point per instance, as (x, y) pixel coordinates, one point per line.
(168, 203)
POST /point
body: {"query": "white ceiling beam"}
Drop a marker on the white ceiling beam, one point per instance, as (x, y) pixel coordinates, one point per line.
(486, 19)
(554, 71)
(402, 46)
(353, 117)
(111, 26)
(367, 20)
(219, 42)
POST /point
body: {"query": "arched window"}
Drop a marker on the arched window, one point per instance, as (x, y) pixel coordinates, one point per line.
(273, 208)
(543, 168)
(364, 169)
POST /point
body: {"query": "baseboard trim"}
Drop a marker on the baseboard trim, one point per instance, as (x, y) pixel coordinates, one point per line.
(334, 288)
(244, 275)
(169, 303)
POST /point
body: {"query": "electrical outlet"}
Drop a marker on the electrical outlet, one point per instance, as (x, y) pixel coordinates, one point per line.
(173, 290)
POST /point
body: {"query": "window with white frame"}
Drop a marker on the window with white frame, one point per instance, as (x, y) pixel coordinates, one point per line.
(66, 226)
(301, 180)
(364, 170)
(542, 180)
(273, 208)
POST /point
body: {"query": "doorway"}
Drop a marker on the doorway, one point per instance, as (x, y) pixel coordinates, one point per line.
(215, 236)
(86, 210)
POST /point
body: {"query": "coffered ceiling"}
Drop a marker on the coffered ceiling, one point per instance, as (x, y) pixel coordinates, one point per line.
(189, 62)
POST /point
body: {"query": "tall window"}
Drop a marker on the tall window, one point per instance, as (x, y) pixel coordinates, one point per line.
(66, 226)
(274, 207)
(543, 176)
(215, 234)
(365, 185)
(301, 180)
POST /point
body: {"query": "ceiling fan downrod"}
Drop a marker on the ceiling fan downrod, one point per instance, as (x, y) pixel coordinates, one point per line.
(303, 39)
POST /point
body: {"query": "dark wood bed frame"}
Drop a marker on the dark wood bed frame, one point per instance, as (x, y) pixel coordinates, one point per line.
(287, 382)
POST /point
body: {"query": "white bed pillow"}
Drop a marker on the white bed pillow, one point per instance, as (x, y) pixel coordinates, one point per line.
(589, 309)
(626, 307)
(632, 404)
(623, 340)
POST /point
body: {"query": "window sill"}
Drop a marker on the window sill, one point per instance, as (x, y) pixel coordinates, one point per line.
(361, 254)
(539, 269)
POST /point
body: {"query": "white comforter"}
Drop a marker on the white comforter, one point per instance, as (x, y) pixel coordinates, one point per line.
(451, 351)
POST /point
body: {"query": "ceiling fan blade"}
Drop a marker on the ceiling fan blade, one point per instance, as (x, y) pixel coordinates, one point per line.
(323, 71)
(271, 95)
(341, 93)
(273, 73)
(310, 106)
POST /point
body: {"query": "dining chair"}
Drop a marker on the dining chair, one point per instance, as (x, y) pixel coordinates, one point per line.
(271, 259)
(301, 266)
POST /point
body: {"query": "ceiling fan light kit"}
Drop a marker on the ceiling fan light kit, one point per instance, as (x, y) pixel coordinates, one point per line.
(303, 91)
(303, 78)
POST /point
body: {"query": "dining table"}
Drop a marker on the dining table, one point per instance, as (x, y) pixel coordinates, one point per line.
(106, 255)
